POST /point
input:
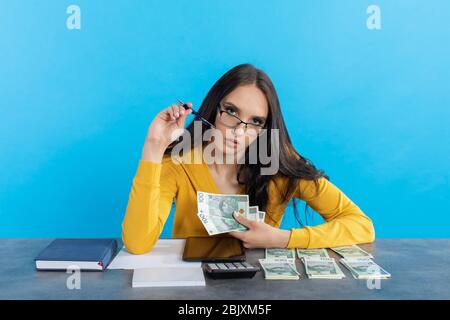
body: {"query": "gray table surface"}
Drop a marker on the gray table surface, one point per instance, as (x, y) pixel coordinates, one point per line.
(419, 267)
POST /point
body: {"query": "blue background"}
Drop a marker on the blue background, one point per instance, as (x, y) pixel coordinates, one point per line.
(370, 107)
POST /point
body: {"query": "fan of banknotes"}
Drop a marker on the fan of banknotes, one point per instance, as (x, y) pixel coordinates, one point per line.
(216, 212)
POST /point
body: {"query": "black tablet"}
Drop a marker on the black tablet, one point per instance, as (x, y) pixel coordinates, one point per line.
(213, 249)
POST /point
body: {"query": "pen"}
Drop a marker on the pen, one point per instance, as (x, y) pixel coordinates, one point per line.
(196, 114)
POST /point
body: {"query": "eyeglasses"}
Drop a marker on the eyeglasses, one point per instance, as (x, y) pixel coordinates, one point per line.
(228, 119)
(233, 121)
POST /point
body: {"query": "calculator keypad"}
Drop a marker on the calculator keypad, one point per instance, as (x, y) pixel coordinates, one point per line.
(228, 266)
(228, 270)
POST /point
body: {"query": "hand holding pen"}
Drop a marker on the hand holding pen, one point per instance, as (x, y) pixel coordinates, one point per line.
(196, 114)
(166, 127)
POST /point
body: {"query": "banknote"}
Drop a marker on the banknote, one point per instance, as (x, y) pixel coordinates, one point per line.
(319, 253)
(261, 216)
(279, 269)
(216, 224)
(363, 268)
(253, 213)
(279, 253)
(351, 252)
(222, 205)
(322, 268)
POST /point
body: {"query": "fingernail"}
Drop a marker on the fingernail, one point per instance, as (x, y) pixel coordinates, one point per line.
(182, 111)
(177, 114)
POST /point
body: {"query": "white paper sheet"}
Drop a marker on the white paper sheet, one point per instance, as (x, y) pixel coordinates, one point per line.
(166, 253)
(168, 277)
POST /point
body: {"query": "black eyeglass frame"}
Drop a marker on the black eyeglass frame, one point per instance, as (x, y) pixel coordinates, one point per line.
(240, 120)
(201, 118)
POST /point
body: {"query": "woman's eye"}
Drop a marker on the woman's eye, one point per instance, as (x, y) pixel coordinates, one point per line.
(257, 122)
(230, 111)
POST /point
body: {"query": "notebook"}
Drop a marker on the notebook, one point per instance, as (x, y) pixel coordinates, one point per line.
(84, 254)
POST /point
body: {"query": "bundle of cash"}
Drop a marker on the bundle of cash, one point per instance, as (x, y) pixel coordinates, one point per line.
(279, 269)
(322, 268)
(352, 252)
(312, 253)
(362, 268)
(280, 254)
(216, 212)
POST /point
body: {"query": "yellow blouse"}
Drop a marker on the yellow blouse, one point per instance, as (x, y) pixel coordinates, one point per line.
(156, 185)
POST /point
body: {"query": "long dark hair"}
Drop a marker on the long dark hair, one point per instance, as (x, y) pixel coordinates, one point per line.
(292, 166)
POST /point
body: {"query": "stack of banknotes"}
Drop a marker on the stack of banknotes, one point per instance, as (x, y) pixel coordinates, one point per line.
(365, 269)
(322, 268)
(215, 211)
(319, 265)
(279, 264)
(360, 263)
(352, 252)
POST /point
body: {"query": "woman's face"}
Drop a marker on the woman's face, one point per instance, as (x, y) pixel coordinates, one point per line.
(249, 104)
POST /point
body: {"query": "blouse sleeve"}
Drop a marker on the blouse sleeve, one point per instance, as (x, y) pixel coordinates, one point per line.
(345, 223)
(150, 200)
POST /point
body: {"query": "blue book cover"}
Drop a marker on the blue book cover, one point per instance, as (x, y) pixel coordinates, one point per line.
(90, 254)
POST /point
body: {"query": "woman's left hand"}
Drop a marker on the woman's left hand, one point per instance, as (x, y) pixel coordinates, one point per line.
(260, 234)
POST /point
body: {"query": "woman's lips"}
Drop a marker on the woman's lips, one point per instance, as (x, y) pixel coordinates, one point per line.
(232, 142)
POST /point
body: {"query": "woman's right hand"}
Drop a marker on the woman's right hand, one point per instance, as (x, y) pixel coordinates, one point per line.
(167, 125)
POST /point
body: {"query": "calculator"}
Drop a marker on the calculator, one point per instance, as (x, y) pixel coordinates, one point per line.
(229, 270)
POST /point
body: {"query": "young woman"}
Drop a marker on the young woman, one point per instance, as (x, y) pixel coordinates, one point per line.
(243, 101)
